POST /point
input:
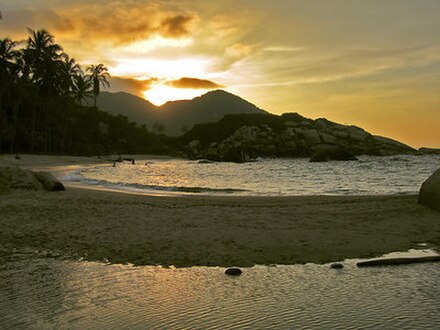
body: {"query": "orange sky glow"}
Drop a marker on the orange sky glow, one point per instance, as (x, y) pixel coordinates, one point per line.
(375, 64)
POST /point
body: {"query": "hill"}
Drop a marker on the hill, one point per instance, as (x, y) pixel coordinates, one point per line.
(176, 117)
(243, 137)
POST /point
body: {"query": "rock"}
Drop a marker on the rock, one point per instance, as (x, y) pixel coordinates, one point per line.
(18, 178)
(429, 194)
(233, 271)
(321, 123)
(49, 182)
(331, 152)
(430, 151)
(311, 136)
(337, 265)
(327, 138)
(390, 147)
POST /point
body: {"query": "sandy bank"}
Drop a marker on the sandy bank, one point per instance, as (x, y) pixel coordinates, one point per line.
(186, 231)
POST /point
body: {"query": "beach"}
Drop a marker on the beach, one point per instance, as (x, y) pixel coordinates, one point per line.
(205, 230)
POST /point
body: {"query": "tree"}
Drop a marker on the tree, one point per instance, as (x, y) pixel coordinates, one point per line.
(45, 57)
(67, 72)
(81, 89)
(98, 76)
(10, 90)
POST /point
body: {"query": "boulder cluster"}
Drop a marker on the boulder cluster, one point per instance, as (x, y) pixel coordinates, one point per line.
(17, 178)
(320, 139)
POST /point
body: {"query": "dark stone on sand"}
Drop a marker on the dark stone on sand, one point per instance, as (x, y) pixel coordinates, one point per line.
(397, 261)
(49, 182)
(337, 265)
(233, 271)
(331, 152)
(19, 178)
(429, 194)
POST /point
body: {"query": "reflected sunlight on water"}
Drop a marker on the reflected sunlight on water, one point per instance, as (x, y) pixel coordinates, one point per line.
(368, 176)
(49, 293)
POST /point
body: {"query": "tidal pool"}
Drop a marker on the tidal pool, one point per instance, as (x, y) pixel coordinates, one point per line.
(48, 293)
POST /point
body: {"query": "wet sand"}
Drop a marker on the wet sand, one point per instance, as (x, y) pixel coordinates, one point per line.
(217, 231)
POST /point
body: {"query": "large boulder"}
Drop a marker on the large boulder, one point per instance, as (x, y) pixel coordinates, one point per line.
(430, 191)
(18, 178)
(49, 182)
(325, 153)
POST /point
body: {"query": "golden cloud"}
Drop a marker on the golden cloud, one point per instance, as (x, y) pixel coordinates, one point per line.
(194, 83)
(116, 22)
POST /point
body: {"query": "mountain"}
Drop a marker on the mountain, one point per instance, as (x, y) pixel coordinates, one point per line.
(133, 107)
(176, 117)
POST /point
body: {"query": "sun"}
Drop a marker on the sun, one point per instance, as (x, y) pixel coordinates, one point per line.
(160, 94)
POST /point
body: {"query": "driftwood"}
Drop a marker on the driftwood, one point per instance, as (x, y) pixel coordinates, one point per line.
(397, 261)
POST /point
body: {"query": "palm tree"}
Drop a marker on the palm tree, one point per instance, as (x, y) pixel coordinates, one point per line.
(68, 69)
(98, 76)
(45, 58)
(9, 90)
(81, 90)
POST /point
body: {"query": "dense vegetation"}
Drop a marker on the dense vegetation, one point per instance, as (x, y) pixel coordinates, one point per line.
(42, 92)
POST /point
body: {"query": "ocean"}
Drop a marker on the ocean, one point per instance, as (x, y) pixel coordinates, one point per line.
(265, 177)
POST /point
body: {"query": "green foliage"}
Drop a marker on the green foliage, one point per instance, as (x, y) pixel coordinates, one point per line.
(42, 91)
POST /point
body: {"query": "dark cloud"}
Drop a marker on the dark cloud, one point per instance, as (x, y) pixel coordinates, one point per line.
(194, 83)
(176, 26)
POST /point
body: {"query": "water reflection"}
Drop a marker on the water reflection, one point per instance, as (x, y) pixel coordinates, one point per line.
(50, 293)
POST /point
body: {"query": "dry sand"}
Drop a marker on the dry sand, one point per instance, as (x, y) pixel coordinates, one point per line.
(221, 231)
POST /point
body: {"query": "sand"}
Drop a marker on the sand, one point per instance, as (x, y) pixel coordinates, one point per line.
(211, 231)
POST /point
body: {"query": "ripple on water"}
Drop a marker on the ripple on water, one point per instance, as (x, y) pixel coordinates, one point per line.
(53, 293)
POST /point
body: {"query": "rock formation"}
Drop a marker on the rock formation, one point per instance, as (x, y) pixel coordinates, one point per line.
(430, 151)
(430, 192)
(289, 135)
(14, 177)
(49, 182)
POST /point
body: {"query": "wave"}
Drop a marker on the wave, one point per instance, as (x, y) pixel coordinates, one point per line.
(76, 177)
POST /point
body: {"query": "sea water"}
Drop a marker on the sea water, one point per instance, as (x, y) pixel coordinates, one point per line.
(265, 177)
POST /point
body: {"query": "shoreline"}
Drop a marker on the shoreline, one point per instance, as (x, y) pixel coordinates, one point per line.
(124, 227)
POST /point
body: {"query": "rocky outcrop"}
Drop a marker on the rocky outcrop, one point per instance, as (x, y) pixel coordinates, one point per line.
(331, 152)
(292, 135)
(429, 194)
(17, 178)
(430, 151)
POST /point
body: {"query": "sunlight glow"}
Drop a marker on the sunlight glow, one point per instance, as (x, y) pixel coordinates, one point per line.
(160, 94)
(142, 68)
(146, 46)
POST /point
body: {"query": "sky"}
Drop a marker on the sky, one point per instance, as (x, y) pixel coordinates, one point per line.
(374, 64)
